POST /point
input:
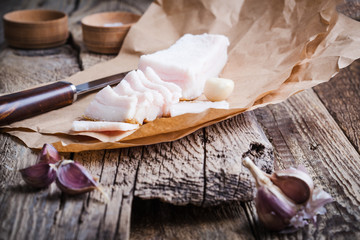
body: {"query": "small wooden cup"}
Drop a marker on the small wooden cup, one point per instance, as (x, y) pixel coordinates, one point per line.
(105, 32)
(35, 28)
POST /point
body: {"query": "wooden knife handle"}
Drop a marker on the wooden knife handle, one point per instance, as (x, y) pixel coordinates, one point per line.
(28, 103)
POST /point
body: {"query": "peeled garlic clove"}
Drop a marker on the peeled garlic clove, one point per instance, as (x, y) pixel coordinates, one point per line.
(273, 210)
(72, 178)
(40, 175)
(49, 154)
(295, 184)
(218, 89)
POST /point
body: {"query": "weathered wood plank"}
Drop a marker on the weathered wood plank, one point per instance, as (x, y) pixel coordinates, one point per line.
(20, 69)
(173, 171)
(303, 132)
(205, 167)
(226, 142)
(152, 219)
(341, 97)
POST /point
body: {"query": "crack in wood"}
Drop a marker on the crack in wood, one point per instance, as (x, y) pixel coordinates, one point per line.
(204, 167)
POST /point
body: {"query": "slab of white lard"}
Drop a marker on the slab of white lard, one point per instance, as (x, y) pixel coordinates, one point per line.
(189, 62)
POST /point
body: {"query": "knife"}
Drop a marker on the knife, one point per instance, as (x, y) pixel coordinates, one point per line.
(20, 105)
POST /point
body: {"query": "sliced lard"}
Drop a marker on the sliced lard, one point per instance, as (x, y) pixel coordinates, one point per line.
(134, 78)
(143, 107)
(174, 89)
(150, 102)
(189, 62)
(91, 126)
(167, 96)
(109, 106)
(196, 107)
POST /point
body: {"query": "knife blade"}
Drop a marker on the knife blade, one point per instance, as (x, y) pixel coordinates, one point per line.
(24, 104)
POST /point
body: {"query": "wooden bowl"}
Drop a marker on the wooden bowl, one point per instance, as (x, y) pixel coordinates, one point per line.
(35, 28)
(105, 32)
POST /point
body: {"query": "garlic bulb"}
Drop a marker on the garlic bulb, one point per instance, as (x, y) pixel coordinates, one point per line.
(286, 198)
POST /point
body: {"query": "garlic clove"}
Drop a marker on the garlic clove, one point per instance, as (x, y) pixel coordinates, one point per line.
(40, 175)
(218, 89)
(295, 184)
(273, 210)
(73, 178)
(49, 154)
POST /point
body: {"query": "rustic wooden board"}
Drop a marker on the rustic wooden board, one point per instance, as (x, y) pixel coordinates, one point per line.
(181, 172)
(153, 219)
(320, 131)
(341, 97)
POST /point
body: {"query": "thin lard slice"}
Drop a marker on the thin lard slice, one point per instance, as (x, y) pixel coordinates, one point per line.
(196, 107)
(143, 109)
(165, 93)
(90, 126)
(136, 82)
(189, 62)
(109, 106)
(174, 89)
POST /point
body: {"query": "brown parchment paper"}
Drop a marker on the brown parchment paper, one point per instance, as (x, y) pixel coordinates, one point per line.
(277, 48)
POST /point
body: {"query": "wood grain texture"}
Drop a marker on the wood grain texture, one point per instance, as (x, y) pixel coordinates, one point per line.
(22, 69)
(173, 171)
(202, 168)
(225, 144)
(153, 219)
(341, 97)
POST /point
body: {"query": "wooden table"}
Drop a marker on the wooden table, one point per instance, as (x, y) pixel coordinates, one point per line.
(318, 128)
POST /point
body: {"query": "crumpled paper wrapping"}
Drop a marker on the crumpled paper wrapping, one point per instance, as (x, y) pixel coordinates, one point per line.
(277, 49)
